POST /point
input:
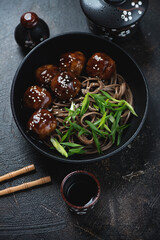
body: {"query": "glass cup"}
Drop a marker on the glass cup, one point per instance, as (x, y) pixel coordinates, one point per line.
(80, 190)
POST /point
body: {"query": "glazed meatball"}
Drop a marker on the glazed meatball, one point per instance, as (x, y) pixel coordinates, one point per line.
(65, 86)
(72, 62)
(100, 65)
(45, 73)
(42, 122)
(37, 97)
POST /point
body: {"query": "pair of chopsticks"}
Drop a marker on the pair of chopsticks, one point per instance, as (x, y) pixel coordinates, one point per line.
(24, 185)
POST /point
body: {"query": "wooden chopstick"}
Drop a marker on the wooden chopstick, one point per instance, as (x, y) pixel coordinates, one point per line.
(25, 186)
(17, 172)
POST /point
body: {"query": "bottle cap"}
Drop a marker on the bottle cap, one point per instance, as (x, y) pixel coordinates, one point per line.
(29, 19)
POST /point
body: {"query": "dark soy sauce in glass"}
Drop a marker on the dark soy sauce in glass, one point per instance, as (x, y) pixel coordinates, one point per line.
(82, 190)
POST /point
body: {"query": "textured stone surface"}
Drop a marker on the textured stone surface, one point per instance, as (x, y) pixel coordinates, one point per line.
(129, 206)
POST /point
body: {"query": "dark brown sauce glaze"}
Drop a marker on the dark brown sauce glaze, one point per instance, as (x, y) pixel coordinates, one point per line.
(72, 62)
(37, 97)
(42, 122)
(45, 73)
(100, 65)
(65, 86)
(29, 19)
(62, 85)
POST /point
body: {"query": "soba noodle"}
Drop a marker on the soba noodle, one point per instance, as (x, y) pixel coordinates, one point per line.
(116, 87)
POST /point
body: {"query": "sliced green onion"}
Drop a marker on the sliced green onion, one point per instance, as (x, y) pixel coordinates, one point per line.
(119, 137)
(107, 128)
(103, 120)
(58, 147)
(79, 128)
(85, 104)
(68, 134)
(111, 118)
(100, 101)
(115, 125)
(76, 151)
(109, 96)
(130, 108)
(96, 142)
(97, 122)
(72, 112)
(93, 128)
(121, 102)
(107, 125)
(70, 144)
(82, 131)
(95, 106)
(58, 132)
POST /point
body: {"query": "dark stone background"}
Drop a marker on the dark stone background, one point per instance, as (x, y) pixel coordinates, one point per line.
(129, 206)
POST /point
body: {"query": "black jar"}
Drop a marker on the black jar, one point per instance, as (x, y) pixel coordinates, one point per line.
(31, 31)
(114, 19)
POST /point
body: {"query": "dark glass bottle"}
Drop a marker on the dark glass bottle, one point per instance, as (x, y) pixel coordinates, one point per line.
(31, 31)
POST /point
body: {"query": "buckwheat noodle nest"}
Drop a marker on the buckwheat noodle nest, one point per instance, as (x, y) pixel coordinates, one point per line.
(116, 87)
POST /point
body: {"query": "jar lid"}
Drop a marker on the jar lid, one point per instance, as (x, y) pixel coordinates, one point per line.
(114, 13)
(29, 19)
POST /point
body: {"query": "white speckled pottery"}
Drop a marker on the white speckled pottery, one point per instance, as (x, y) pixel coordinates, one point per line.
(114, 19)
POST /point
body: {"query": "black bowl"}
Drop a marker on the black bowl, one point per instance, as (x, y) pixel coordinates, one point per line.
(49, 52)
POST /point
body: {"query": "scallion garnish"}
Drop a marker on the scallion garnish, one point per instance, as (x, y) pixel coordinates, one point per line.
(58, 147)
(107, 125)
(70, 144)
(76, 151)
(97, 143)
(85, 104)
